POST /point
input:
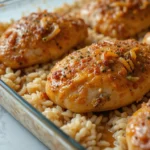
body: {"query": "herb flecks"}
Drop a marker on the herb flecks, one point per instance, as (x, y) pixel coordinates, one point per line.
(103, 69)
(44, 39)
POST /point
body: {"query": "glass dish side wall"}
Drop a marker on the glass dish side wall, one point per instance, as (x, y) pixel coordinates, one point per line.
(34, 121)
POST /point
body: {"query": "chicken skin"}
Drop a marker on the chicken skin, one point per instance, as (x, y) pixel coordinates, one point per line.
(103, 76)
(138, 129)
(120, 19)
(39, 38)
(147, 38)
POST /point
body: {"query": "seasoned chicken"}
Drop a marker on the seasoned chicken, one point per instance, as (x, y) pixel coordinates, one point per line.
(103, 76)
(3, 27)
(117, 18)
(40, 37)
(147, 38)
(138, 129)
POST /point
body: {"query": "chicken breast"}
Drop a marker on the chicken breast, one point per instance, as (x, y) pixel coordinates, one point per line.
(103, 76)
(147, 38)
(138, 129)
(121, 19)
(3, 27)
(40, 37)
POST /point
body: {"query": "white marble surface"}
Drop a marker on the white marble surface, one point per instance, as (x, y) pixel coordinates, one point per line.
(13, 136)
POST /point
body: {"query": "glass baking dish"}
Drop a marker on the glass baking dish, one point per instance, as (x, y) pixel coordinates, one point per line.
(28, 116)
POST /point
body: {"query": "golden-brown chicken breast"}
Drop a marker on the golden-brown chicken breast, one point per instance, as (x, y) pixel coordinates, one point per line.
(101, 77)
(3, 27)
(147, 38)
(40, 37)
(138, 129)
(117, 18)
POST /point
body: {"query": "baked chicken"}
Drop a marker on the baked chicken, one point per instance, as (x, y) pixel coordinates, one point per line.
(40, 37)
(117, 18)
(103, 76)
(138, 129)
(3, 27)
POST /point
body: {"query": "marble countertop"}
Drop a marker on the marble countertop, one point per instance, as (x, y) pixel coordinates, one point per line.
(13, 136)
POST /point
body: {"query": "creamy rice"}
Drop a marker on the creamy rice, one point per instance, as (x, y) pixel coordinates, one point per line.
(89, 129)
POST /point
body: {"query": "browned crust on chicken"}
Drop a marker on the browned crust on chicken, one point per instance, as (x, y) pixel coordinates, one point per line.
(116, 18)
(40, 37)
(138, 129)
(101, 77)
